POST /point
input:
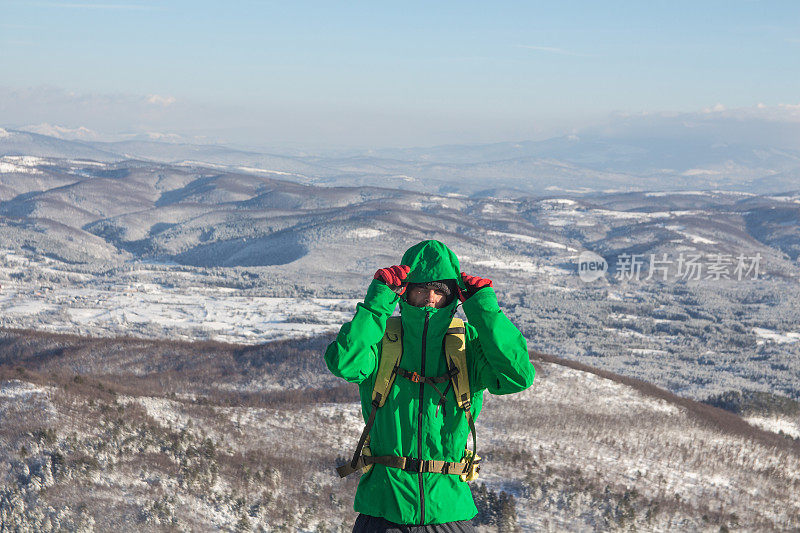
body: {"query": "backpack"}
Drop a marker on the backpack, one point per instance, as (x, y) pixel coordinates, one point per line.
(457, 377)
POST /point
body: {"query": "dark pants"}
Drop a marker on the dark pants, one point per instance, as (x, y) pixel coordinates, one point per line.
(371, 524)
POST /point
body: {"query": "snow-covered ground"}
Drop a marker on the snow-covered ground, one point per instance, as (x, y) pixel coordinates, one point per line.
(157, 311)
(531, 240)
(19, 390)
(776, 336)
(697, 239)
(777, 424)
(19, 164)
(154, 311)
(514, 263)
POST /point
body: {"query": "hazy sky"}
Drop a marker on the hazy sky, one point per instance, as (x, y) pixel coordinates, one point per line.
(400, 73)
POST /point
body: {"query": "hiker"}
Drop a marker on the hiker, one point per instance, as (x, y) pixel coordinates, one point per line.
(421, 379)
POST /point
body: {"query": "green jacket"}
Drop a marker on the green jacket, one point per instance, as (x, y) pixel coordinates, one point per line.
(407, 425)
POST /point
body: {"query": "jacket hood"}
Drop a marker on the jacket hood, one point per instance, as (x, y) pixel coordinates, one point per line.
(432, 261)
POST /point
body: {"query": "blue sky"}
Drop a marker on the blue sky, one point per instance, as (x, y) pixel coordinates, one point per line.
(360, 72)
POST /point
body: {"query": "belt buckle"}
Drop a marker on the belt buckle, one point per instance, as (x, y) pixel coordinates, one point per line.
(413, 465)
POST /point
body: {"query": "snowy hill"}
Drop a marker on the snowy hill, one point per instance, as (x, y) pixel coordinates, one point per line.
(202, 216)
(23, 143)
(126, 435)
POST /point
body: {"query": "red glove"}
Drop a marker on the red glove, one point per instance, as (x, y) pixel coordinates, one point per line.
(474, 284)
(393, 276)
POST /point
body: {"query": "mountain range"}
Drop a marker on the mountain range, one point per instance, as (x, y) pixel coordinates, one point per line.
(588, 163)
(88, 229)
(149, 254)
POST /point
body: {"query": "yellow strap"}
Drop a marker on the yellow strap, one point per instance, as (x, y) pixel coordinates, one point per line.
(455, 348)
(391, 352)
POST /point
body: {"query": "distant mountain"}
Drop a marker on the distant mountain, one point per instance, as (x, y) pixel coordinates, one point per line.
(294, 168)
(622, 163)
(586, 163)
(23, 143)
(80, 133)
(620, 153)
(207, 216)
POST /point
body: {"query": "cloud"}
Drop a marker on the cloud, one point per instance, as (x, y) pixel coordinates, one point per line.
(49, 108)
(769, 113)
(775, 126)
(46, 98)
(157, 99)
(714, 109)
(552, 50)
(158, 136)
(789, 113)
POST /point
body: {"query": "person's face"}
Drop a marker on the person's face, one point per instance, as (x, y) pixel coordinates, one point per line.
(424, 297)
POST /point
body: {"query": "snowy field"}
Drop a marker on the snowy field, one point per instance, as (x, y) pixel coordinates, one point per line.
(101, 308)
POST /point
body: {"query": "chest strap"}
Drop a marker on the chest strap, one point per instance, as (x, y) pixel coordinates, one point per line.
(416, 378)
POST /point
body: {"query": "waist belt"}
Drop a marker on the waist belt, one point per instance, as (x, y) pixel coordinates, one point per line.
(409, 464)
